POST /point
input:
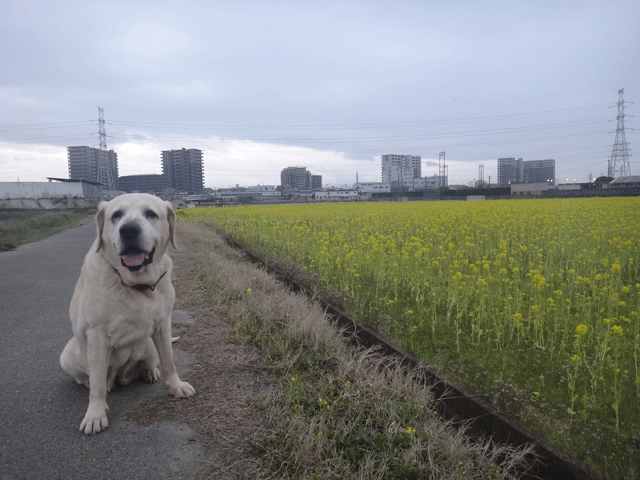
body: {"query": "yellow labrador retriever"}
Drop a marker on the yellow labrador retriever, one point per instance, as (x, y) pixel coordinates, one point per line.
(121, 306)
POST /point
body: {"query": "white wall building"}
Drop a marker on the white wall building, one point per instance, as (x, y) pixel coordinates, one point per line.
(50, 195)
(398, 168)
(337, 195)
(429, 183)
(372, 187)
(264, 191)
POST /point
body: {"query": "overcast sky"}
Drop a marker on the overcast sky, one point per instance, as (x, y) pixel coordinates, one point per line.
(332, 86)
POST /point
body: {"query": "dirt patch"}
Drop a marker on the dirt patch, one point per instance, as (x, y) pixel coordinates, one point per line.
(224, 374)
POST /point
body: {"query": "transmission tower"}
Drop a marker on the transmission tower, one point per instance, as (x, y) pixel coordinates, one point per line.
(619, 162)
(105, 175)
(443, 171)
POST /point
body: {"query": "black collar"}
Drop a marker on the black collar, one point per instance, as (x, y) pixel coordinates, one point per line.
(142, 287)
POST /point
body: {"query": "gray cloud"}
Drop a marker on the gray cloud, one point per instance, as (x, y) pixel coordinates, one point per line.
(479, 80)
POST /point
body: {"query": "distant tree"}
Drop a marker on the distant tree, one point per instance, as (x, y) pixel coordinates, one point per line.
(603, 179)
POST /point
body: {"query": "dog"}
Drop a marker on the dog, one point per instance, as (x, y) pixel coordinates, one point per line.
(121, 306)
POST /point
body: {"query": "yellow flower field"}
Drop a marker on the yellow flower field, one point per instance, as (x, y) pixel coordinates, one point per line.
(548, 289)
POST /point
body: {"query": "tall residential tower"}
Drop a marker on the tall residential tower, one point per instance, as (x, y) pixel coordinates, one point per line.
(184, 170)
(84, 162)
(400, 168)
(515, 170)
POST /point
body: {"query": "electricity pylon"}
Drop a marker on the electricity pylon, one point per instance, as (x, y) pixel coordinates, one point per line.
(105, 174)
(619, 162)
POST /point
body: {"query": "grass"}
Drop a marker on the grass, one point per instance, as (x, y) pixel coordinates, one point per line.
(531, 303)
(24, 226)
(281, 395)
(331, 411)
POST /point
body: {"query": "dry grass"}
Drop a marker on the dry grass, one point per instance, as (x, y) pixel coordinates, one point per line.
(282, 395)
(224, 373)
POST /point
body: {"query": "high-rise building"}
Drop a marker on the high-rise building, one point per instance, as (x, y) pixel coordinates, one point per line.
(399, 171)
(509, 171)
(296, 178)
(539, 171)
(183, 169)
(515, 170)
(395, 168)
(84, 162)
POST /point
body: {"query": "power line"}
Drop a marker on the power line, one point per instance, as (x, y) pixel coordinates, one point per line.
(470, 133)
(359, 125)
(33, 126)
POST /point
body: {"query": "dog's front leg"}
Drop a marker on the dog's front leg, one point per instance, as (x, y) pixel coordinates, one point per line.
(162, 341)
(95, 420)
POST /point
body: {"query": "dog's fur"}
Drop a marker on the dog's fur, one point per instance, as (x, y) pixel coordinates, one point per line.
(121, 306)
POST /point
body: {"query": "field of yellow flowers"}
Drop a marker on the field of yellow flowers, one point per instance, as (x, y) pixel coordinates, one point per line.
(544, 293)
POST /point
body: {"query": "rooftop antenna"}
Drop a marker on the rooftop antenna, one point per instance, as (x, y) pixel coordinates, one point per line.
(618, 165)
(105, 175)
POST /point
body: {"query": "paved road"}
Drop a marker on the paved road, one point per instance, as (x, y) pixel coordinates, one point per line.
(41, 407)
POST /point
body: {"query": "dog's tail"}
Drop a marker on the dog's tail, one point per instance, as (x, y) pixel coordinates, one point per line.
(174, 339)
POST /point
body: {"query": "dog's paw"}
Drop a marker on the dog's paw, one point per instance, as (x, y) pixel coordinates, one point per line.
(181, 389)
(151, 376)
(95, 420)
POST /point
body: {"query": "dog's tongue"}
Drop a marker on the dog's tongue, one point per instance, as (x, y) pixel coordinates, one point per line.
(133, 260)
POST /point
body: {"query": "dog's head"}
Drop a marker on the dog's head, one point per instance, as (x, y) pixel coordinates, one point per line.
(134, 231)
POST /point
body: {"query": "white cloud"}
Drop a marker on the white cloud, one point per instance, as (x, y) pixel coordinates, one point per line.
(153, 40)
(227, 162)
(180, 91)
(31, 163)
(250, 163)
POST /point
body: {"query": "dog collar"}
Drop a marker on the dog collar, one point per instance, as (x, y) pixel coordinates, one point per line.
(142, 287)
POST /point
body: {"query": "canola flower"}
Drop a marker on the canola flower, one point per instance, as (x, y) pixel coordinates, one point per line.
(496, 276)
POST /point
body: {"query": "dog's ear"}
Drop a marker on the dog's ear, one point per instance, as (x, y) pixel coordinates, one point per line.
(171, 217)
(100, 224)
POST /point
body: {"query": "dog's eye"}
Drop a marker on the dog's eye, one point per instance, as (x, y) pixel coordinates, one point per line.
(150, 214)
(117, 215)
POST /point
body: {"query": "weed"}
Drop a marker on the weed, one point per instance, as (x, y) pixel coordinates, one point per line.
(336, 412)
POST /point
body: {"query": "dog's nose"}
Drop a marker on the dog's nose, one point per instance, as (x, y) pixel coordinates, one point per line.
(129, 231)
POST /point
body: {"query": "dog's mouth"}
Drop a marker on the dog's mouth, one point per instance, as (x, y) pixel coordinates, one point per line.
(134, 259)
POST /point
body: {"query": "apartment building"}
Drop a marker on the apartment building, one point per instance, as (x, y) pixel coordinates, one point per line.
(539, 171)
(509, 171)
(148, 183)
(400, 168)
(184, 170)
(516, 170)
(299, 178)
(83, 162)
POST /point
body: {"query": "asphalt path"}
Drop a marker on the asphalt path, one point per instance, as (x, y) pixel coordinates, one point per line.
(41, 407)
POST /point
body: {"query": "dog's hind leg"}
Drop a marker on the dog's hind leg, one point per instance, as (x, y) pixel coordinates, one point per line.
(150, 371)
(144, 364)
(73, 362)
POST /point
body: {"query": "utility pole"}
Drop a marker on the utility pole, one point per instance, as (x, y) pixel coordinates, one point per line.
(618, 165)
(105, 175)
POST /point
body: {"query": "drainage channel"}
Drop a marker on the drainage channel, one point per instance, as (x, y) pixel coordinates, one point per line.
(455, 402)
